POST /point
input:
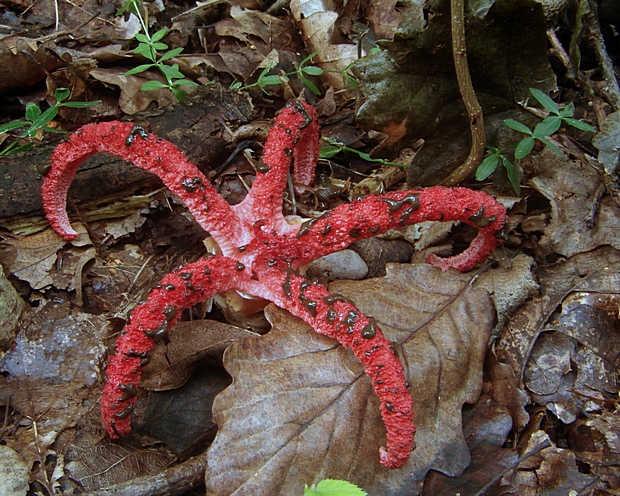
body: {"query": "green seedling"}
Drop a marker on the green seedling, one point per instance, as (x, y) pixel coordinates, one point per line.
(150, 47)
(308, 70)
(264, 80)
(35, 120)
(334, 148)
(548, 126)
(334, 487)
(490, 163)
(303, 71)
(349, 80)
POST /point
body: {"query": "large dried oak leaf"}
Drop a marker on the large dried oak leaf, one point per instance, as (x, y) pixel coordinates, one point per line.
(300, 408)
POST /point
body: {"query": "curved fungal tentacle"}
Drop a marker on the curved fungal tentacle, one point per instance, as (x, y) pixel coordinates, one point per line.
(373, 215)
(336, 317)
(160, 157)
(294, 138)
(149, 324)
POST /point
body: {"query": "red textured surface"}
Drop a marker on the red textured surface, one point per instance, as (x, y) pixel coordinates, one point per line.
(312, 304)
(261, 253)
(371, 216)
(159, 157)
(295, 134)
(161, 310)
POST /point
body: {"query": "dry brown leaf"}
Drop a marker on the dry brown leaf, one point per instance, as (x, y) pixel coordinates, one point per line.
(181, 415)
(596, 271)
(23, 62)
(570, 186)
(244, 22)
(88, 20)
(608, 425)
(486, 426)
(11, 308)
(98, 467)
(172, 480)
(511, 287)
(381, 180)
(596, 442)
(505, 390)
(190, 342)
(31, 258)
(316, 21)
(73, 75)
(300, 408)
(550, 471)
(49, 374)
(281, 413)
(579, 351)
(585, 290)
(208, 62)
(117, 228)
(15, 472)
(385, 18)
(187, 23)
(132, 99)
(44, 259)
(183, 418)
(241, 62)
(564, 347)
(54, 357)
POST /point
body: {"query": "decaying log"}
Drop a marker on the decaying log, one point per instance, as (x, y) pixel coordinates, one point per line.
(195, 125)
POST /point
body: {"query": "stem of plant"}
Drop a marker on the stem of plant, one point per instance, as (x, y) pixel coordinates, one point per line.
(476, 121)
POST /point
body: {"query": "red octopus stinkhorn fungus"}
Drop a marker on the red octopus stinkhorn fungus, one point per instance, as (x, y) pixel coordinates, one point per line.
(262, 254)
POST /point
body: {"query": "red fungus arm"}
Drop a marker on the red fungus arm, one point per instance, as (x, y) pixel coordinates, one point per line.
(375, 215)
(336, 317)
(148, 152)
(294, 137)
(149, 324)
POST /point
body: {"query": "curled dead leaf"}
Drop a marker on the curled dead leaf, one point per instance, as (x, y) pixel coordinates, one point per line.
(44, 259)
(172, 364)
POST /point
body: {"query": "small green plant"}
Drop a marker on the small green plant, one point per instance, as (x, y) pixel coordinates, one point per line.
(35, 120)
(334, 148)
(548, 126)
(334, 487)
(264, 80)
(304, 70)
(490, 163)
(150, 47)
